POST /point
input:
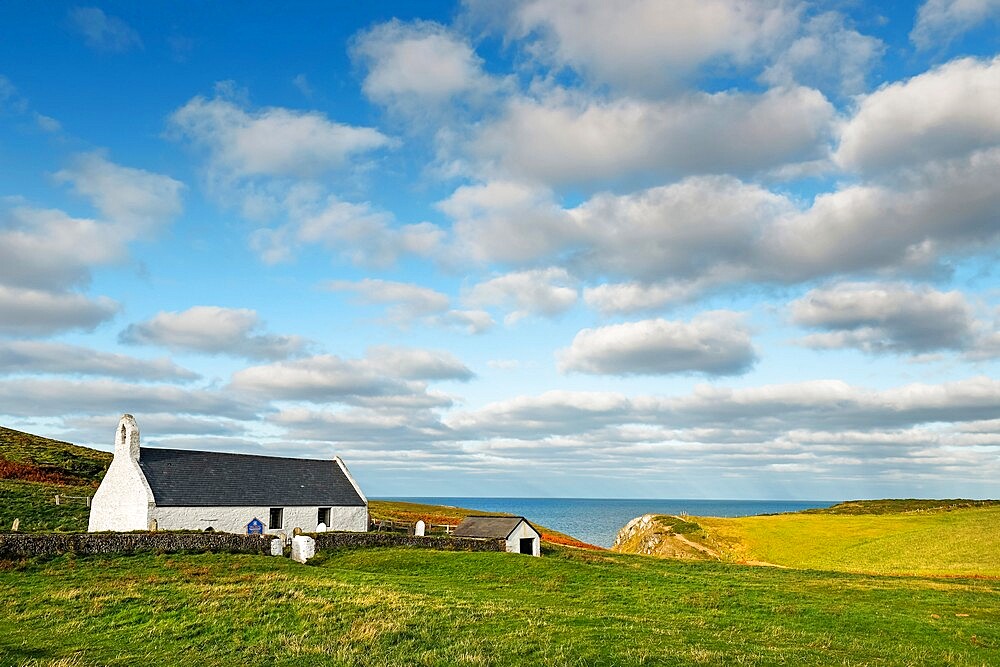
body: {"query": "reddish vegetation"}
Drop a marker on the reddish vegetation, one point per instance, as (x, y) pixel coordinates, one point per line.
(568, 541)
(29, 472)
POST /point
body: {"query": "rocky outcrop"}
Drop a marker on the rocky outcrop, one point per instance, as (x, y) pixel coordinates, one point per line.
(665, 536)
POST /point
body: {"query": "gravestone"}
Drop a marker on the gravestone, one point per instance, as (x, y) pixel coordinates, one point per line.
(296, 531)
(303, 548)
(419, 527)
(17, 524)
(152, 525)
(321, 528)
(277, 547)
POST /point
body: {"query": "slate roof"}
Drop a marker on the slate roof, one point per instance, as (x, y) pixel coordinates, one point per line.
(489, 526)
(181, 478)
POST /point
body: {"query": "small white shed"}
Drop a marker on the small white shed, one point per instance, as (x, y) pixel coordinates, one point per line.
(521, 536)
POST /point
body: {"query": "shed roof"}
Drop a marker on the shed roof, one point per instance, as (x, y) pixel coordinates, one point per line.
(489, 526)
(182, 478)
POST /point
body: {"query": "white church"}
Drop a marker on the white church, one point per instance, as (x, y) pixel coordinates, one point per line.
(172, 489)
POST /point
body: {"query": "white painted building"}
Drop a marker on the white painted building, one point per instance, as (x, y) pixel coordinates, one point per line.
(175, 489)
(521, 536)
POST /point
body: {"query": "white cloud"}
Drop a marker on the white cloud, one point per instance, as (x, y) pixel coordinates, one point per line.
(506, 221)
(879, 317)
(407, 301)
(827, 55)
(547, 292)
(940, 21)
(46, 357)
(943, 113)
(33, 397)
(413, 65)
(30, 312)
(713, 343)
(331, 379)
(417, 364)
(470, 321)
(562, 139)
(644, 45)
(102, 32)
(618, 298)
(213, 330)
(45, 248)
(134, 198)
(273, 141)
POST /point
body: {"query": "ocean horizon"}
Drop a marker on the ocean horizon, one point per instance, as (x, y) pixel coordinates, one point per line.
(597, 520)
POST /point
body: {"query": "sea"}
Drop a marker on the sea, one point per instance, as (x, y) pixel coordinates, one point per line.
(598, 520)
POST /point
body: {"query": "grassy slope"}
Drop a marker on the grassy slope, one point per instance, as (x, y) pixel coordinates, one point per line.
(398, 606)
(943, 542)
(34, 469)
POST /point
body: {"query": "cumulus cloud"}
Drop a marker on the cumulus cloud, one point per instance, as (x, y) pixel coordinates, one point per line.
(827, 54)
(943, 113)
(213, 330)
(47, 357)
(642, 45)
(408, 303)
(34, 397)
(135, 198)
(31, 312)
(367, 382)
(547, 292)
(507, 221)
(48, 249)
(406, 300)
(102, 32)
(566, 139)
(413, 65)
(417, 364)
(766, 411)
(943, 20)
(273, 141)
(879, 317)
(713, 343)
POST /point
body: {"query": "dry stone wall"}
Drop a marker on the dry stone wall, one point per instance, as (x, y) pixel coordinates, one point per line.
(26, 545)
(21, 545)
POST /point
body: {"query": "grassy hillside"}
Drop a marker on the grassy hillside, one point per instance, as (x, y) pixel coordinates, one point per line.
(943, 542)
(398, 606)
(34, 469)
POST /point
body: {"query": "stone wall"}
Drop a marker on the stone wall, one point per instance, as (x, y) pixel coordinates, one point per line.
(367, 540)
(24, 545)
(20, 545)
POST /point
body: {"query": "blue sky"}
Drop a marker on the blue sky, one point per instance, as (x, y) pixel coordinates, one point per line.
(546, 248)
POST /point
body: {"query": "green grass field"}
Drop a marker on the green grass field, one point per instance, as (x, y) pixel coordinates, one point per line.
(933, 542)
(410, 607)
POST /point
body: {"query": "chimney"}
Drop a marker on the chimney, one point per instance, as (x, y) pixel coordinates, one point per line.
(127, 438)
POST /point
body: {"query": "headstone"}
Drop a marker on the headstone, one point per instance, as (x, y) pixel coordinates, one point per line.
(296, 531)
(17, 524)
(152, 525)
(303, 548)
(419, 527)
(321, 528)
(277, 547)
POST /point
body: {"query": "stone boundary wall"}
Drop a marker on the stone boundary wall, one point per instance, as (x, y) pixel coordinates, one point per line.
(368, 540)
(26, 545)
(22, 545)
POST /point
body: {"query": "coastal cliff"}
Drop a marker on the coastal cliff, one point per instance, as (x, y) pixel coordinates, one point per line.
(665, 536)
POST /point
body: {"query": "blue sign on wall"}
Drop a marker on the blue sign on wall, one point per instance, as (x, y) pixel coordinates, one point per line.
(255, 527)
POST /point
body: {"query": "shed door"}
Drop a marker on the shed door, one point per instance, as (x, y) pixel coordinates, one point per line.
(528, 546)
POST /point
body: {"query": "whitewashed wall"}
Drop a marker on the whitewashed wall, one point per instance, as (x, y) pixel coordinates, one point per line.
(124, 499)
(524, 531)
(235, 519)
